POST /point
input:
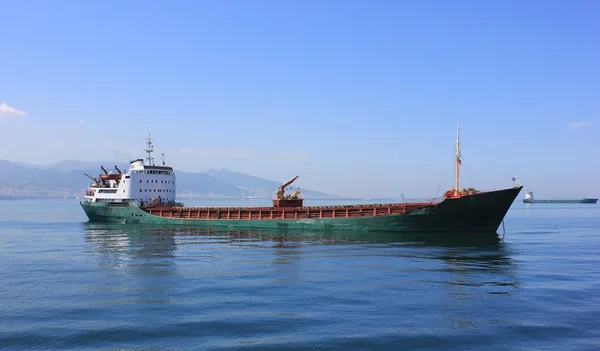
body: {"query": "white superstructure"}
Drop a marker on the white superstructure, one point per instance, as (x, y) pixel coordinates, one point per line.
(529, 195)
(145, 183)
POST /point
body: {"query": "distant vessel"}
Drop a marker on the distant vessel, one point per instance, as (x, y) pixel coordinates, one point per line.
(529, 199)
(146, 194)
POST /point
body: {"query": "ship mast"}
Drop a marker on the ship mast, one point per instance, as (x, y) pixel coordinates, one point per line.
(149, 149)
(458, 155)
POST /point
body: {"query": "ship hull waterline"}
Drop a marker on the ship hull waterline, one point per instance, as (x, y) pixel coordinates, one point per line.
(479, 213)
(580, 201)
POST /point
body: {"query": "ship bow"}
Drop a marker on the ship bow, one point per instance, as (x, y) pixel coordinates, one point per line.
(482, 212)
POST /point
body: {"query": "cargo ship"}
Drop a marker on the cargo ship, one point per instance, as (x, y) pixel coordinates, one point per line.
(529, 199)
(146, 194)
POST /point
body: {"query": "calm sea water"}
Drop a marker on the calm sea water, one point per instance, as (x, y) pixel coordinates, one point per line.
(69, 285)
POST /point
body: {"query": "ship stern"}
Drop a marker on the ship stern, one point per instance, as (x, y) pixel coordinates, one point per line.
(106, 212)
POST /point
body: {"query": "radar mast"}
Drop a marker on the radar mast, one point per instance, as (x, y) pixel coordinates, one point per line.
(149, 149)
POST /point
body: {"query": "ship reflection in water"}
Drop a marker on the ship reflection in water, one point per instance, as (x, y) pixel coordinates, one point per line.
(158, 251)
(394, 283)
(152, 240)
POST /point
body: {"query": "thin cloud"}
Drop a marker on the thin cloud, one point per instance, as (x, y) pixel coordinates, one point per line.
(217, 152)
(7, 110)
(294, 155)
(580, 124)
(244, 152)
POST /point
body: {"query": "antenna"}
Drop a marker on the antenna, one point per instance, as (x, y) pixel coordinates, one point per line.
(165, 161)
(149, 150)
(458, 155)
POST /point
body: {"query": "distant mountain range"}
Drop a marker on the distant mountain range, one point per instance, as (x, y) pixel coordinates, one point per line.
(67, 179)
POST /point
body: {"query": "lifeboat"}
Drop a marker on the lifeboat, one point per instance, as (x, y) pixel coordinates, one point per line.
(110, 176)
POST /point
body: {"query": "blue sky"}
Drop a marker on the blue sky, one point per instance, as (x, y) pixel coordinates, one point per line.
(358, 98)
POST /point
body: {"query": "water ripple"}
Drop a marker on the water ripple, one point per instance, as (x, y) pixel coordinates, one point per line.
(67, 284)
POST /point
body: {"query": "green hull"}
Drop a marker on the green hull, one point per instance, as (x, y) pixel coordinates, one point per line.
(480, 213)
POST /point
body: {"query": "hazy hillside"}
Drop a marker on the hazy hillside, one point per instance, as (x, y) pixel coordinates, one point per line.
(21, 178)
(72, 165)
(256, 186)
(66, 178)
(202, 183)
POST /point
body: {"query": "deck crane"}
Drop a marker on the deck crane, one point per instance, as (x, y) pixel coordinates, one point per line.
(280, 192)
(288, 201)
(95, 180)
